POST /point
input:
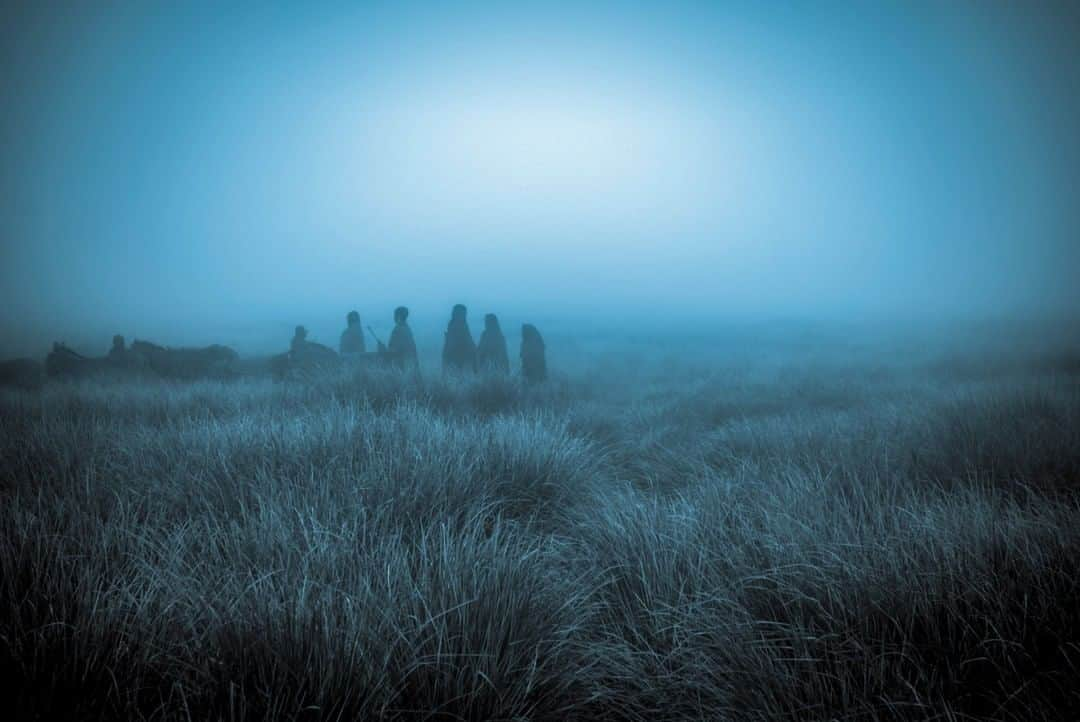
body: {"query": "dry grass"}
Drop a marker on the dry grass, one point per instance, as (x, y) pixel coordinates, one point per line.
(796, 540)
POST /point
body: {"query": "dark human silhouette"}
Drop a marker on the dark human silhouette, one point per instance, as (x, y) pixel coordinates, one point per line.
(352, 338)
(491, 354)
(533, 362)
(459, 350)
(299, 340)
(402, 347)
(126, 358)
(118, 353)
(306, 356)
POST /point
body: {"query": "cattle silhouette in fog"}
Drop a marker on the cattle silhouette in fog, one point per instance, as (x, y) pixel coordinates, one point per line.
(214, 361)
(304, 357)
(65, 362)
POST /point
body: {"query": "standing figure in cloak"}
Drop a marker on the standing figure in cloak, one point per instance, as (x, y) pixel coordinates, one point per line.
(352, 338)
(299, 341)
(118, 353)
(491, 355)
(533, 361)
(402, 347)
(459, 350)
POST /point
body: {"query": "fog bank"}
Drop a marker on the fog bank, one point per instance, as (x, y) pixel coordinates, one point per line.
(197, 175)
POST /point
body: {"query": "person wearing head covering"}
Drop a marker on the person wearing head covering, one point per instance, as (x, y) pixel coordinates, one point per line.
(402, 347)
(352, 338)
(459, 349)
(118, 353)
(491, 354)
(299, 340)
(533, 361)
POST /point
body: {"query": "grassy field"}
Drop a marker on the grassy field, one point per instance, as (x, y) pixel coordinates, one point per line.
(747, 536)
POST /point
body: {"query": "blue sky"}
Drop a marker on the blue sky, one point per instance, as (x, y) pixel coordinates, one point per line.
(171, 169)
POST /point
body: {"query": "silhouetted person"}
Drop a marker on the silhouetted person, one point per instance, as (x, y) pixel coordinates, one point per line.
(352, 338)
(122, 356)
(299, 340)
(402, 347)
(118, 354)
(491, 355)
(533, 362)
(459, 350)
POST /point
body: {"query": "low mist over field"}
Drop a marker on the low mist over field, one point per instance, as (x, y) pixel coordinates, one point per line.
(200, 175)
(540, 361)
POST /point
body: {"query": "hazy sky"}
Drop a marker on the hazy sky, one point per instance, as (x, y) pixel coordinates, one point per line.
(162, 168)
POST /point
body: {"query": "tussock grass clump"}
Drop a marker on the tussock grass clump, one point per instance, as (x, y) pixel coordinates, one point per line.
(776, 603)
(353, 622)
(703, 541)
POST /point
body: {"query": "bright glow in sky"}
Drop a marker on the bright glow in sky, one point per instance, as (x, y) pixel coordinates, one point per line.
(513, 155)
(161, 167)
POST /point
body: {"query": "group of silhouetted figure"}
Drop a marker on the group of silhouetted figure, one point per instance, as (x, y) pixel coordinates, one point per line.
(460, 354)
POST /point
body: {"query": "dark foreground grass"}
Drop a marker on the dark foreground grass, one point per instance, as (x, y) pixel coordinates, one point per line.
(791, 542)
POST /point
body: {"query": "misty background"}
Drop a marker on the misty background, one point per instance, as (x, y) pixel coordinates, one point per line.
(196, 175)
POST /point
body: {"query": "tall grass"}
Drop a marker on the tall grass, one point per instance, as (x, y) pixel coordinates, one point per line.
(784, 541)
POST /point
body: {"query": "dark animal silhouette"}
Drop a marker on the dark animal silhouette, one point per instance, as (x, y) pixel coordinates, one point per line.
(184, 363)
(533, 360)
(459, 350)
(491, 354)
(304, 358)
(63, 362)
(312, 354)
(22, 373)
(280, 365)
